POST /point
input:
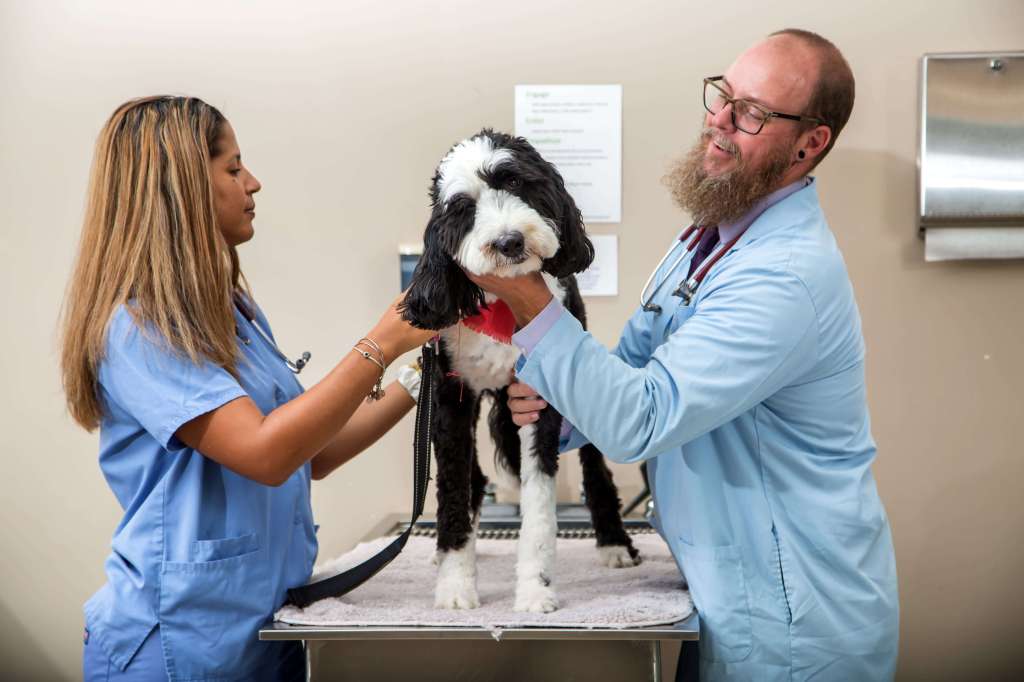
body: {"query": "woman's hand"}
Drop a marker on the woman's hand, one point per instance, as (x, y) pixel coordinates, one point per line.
(526, 295)
(396, 336)
(524, 403)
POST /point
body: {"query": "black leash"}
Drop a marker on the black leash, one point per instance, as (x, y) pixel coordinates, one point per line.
(337, 585)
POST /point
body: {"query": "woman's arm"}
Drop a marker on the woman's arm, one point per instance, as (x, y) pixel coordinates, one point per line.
(363, 429)
(269, 448)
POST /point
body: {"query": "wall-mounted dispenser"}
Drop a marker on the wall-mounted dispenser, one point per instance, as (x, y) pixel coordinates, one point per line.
(408, 257)
(971, 155)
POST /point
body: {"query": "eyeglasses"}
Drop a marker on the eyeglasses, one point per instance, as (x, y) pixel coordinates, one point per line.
(746, 116)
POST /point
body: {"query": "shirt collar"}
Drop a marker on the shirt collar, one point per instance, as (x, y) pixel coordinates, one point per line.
(726, 231)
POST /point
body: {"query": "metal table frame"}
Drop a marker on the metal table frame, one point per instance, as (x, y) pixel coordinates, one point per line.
(684, 630)
(495, 517)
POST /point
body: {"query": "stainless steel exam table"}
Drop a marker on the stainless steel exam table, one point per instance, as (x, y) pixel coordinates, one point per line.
(368, 654)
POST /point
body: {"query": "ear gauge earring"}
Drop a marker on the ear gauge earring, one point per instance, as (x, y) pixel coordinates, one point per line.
(801, 154)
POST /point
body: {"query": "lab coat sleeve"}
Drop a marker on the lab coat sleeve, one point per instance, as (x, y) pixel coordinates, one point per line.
(754, 331)
(633, 350)
(634, 346)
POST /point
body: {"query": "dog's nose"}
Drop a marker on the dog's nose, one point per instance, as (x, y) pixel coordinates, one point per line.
(510, 244)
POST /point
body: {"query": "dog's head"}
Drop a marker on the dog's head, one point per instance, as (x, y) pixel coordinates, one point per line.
(497, 208)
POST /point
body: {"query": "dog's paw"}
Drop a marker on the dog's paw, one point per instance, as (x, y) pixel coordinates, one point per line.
(456, 596)
(617, 556)
(535, 598)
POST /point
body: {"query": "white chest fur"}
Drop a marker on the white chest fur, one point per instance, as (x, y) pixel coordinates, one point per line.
(483, 362)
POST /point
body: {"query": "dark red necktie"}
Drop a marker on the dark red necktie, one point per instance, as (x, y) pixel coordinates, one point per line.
(707, 244)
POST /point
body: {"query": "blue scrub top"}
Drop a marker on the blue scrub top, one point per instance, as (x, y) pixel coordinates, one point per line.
(201, 551)
(749, 406)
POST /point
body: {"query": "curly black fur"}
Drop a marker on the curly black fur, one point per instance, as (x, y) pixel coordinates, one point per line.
(441, 295)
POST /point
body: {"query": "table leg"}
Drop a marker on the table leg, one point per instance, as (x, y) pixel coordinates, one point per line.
(656, 660)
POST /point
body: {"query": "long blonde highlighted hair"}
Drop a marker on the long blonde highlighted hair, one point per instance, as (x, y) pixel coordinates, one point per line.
(150, 237)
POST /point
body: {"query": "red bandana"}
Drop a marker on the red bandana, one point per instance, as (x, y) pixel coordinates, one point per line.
(495, 319)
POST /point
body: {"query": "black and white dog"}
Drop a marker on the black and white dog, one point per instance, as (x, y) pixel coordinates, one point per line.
(500, 208)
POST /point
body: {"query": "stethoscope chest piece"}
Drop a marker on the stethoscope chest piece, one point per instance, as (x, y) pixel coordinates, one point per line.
(297, 366)
(685, 291)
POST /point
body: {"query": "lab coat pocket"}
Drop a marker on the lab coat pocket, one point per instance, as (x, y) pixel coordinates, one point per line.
(719, 591)
(211, 610)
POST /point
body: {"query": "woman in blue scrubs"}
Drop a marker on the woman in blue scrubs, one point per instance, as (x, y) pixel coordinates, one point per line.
(207, 439)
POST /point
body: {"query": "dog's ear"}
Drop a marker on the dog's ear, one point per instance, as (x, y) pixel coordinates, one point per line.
(575, 250)
(439, 294)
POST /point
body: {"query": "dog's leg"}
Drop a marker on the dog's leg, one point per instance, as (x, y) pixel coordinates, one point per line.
(614, 547)
(536, 561)
(455, 448)
(478, 482)
(505, 434)
(613, 544)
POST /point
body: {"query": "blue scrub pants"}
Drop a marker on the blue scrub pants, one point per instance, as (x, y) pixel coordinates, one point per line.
(148, 664)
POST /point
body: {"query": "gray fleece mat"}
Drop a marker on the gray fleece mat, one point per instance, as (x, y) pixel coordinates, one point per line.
(590, 595)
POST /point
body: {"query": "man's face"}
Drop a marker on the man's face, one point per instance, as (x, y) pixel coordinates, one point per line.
(777, 74)
(728, 170)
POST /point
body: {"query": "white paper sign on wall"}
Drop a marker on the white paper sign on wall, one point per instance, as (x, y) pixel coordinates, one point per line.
(602, 277)
(579, 129)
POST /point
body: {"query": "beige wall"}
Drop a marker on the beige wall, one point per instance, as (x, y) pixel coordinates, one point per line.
(343, 109)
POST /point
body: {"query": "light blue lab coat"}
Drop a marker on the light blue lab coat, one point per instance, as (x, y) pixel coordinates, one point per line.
(749, 406)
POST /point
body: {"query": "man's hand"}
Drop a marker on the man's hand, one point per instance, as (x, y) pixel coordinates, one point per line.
(524, 403)
(526, 295)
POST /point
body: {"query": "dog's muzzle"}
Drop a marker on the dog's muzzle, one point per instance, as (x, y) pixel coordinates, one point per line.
(511, 245)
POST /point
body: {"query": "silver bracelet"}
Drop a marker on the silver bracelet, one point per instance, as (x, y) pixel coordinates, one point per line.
(377, 392)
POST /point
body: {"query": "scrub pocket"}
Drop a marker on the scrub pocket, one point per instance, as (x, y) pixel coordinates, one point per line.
(204, 551)
(211, 609)
(719, 591)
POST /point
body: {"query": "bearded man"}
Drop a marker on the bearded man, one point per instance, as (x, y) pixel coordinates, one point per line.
(740, 380)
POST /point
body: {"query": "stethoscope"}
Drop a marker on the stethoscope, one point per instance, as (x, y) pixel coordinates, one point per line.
(687, 288)
(247, 313)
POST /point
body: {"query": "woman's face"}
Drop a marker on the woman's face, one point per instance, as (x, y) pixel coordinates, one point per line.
(233, 187)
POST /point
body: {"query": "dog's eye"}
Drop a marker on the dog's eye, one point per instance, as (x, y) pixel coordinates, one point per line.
(513, 183)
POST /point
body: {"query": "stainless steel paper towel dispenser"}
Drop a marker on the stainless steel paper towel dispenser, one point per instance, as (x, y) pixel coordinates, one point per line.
(971, 151)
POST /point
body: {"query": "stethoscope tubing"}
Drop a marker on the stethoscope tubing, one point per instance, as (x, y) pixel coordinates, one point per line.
(649, 305)
(295, 366)
(687, 288)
